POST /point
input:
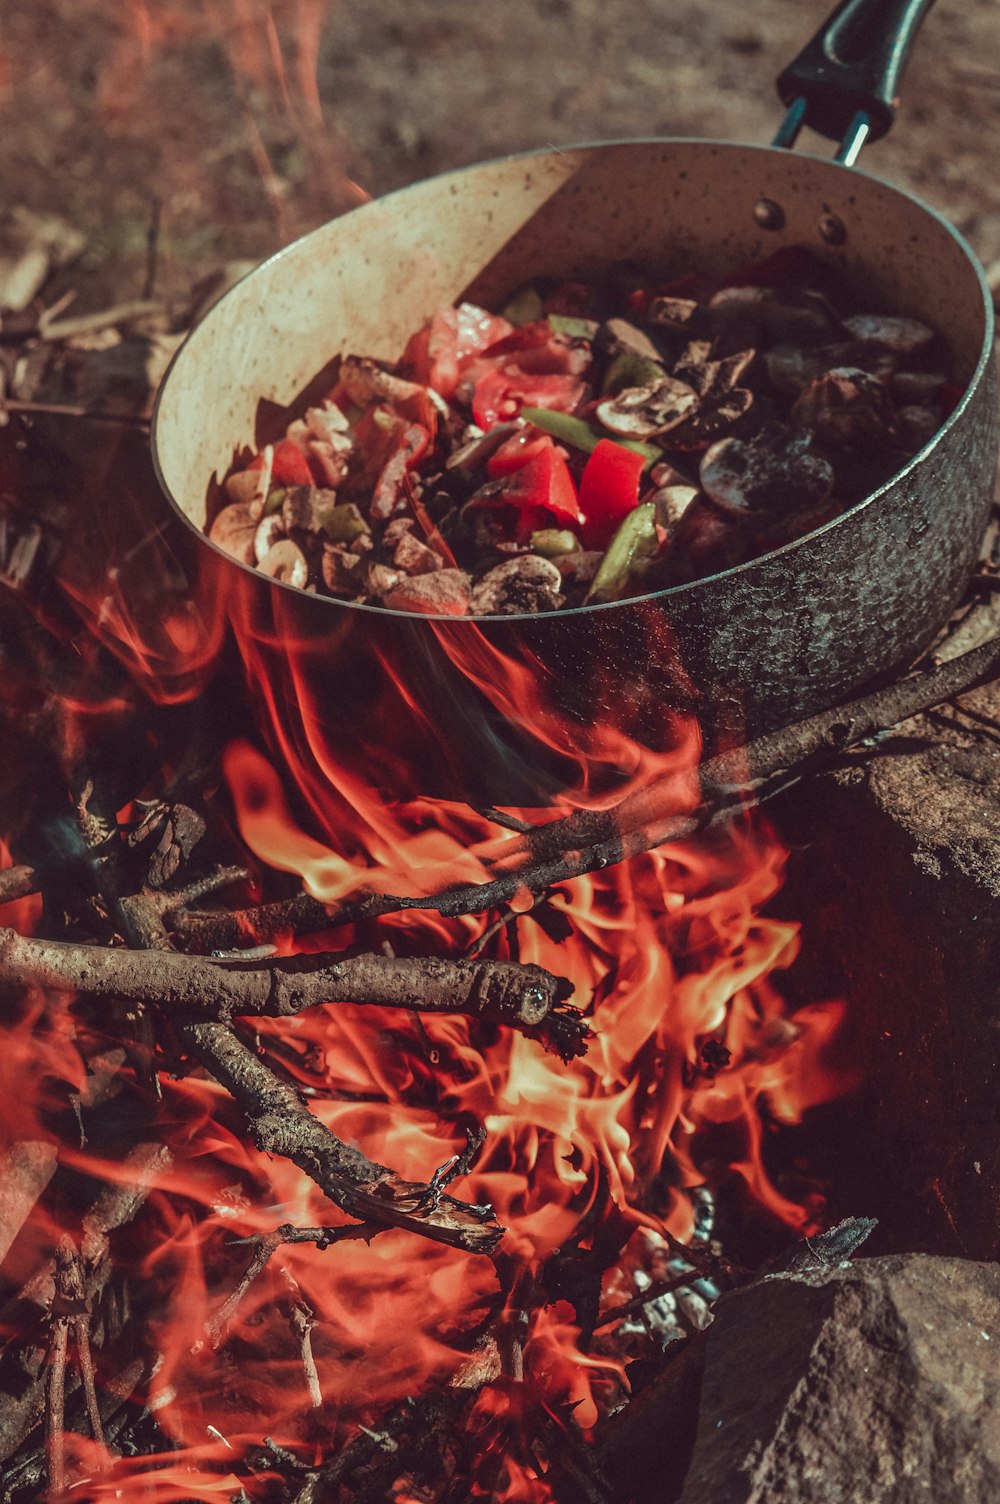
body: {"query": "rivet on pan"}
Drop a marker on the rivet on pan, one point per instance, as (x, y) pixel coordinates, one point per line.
(832, 229)
(768, 214)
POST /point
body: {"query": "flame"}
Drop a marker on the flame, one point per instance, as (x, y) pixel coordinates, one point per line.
(694, 1062)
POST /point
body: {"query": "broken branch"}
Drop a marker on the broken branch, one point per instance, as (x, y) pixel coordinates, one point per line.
(519, 996)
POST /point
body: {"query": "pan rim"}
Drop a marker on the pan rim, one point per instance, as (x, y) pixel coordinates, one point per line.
(673, 592)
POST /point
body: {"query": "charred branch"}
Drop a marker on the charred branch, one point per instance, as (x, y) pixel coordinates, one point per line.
(280, 1123)
(18, 882)
(525, 997)
(587, 842)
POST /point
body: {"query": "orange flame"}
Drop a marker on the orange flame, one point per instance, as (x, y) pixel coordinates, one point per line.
(670, 953)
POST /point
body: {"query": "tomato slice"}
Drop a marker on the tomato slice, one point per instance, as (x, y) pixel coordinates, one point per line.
(517, 451)
(500, 394)
(289, 466)
(435, 354)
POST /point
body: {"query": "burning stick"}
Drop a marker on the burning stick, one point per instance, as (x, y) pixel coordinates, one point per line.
(588, 842)
(211, 995)
(500, 992)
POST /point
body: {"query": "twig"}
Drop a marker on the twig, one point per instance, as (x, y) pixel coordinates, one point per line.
(202, 887)
(18, 882)
(589, 841)
(278, 1119)
(303, 1321)
(585, 842)
(501, 992)
(105, 318)
(302, 915)
(55, 1417)
(646, 1297)
(267, 1244)
(280, 1123)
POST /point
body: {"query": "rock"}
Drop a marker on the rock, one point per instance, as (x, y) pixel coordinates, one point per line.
(895, 875)
(873, 1382)
(878, 1380)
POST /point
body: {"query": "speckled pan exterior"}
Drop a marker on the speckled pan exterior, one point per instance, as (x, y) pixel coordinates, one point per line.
(755, 646)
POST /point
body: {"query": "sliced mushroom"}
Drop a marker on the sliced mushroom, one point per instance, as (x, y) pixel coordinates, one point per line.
(790, 368)
(713, 378)
(286, 562)
(708, 538)
(328, 422)
(233, 530)
(526, 584)
(642, 412)
(901, 335)
(414, 557)
(787, 316)
(672, 502)
(381, 580)
(917, 386)
(847, 408)
(772, 473)
(341, 570)
(578, 568)
(366, 383)
(716, 416)
(676, 313)
(243, 486)
(616, 335)
(270, 530)
(918, 423)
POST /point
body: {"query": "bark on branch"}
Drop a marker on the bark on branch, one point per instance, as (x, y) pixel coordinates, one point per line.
(588, 841)
(524, 997)
(281, 1123)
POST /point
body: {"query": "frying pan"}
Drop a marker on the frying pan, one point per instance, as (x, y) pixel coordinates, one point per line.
(380, 692)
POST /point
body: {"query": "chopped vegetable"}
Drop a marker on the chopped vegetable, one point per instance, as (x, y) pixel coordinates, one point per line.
(583, 435)
(632, 545)
(544, 481)
(609, 489)
(500, 467)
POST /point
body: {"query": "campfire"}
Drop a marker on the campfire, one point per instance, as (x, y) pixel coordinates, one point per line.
(359, 1143)
(420, 1102)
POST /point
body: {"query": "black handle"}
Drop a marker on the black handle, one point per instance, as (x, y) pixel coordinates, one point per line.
(853, 66)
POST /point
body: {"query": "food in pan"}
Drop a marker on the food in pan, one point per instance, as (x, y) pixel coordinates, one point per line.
(591, 443)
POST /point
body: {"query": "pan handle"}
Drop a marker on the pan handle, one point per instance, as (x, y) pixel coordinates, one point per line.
(843, 83)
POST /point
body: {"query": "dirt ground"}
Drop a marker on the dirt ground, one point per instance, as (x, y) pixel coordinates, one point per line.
(180, 134)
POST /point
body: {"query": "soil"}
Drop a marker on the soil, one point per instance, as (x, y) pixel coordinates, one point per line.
(182, 134)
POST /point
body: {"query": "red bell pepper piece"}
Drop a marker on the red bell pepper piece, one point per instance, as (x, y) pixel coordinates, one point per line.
(289, 465)
(609, 490)
(545, 482)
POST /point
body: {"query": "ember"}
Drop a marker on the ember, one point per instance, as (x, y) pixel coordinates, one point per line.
(570, 459)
